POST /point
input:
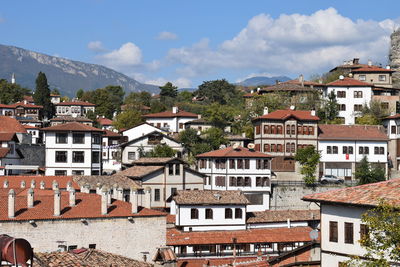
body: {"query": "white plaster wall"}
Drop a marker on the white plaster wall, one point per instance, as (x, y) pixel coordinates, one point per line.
(140, 130)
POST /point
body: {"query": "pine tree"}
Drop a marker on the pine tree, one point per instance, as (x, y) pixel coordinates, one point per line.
(42, 95)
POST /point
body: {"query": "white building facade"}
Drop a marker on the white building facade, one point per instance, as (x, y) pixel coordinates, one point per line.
(74, 108)
(170, 121)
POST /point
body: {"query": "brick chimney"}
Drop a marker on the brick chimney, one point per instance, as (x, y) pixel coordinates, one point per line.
(104, 197)
(72, 197)
(175, 110)
(69, 185)
(42, 185)
(11, 203)
(30, 198)
(33, 183)
(57, 203)
(147, 197)
(133, 198)
(5, 183)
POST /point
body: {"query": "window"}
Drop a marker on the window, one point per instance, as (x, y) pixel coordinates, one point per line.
(95, 172)
(350, 150)
(258, 129)
(171, 169)
(131, 155)
(328, 150)
(228, 214)
(203, 163)
(362, 77)
(180, 125)
(240, 181)
(232, 181)
(279, 148)
(78, 156)
(382, 78)
(194, 214)
(220, 180)
(363, 231)
(345, 150)
(220, 163)
(273, 148)
(209, 214)
(288, 148)
(279, 129)
(341, 107)
(333, 231)
(60, 172)
(357, 107)
(348, 233)
(238, 213)
(305, 130)
(240, 164)
(61, 156)
(293, 129)
(293, 148)
(299, 129)
(247, 164)
(363, 150)
(96, 139)
(334, 150)
(341, 94)
(157, 195)
(247, 181)
(310, 130)
(93, 246)
(232, 164)
(266, 129)
(358, 94)
(77, 172)
(393, 129)
(382, 150)
(385, 105)
(61, 138)
(255, 199)
(72, 248)
(78, 138)
(95, 156)
(173, 191)
(177, 169)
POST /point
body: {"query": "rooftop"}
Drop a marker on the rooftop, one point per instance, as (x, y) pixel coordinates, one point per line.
(15, 181)
(288, 87)
(4, 151)
(371, 69)
(362, 195)
(346, 81)
(72, 126)
(75, 103)
(215, 197)
(285, 114)
(138, 171)
(109, 181)
(70, 118)
(231, 152)
(170, 114)
(11, 125)
(351, 132)
(270, 216)
(25, 105)
(7, 136)
(150, 160)
(104, 121)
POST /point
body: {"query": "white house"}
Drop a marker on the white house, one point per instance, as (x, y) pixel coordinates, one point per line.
(171, 121)
(73, 149)
(341, 211)
(209, 210)
(55, 98)
(35, 133)
(343, 146)
(238, 168)
(391, 125)
(74, 108)
(111, 151)
(351, 96)
(139, 130)
(7, 110)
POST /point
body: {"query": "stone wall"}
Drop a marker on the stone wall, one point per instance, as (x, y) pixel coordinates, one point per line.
(394, 57)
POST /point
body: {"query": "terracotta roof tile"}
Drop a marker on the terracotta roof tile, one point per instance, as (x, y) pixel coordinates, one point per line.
(109, 133)
(139, 171)
(351, 132)
(215, 197)
(230, 152)
(70, 119)
(7, 136)
(11, 125)
(6, 106)
(306, 83)
(75, 103)
(269, 216)
(262, 235)
(25, 105)
(73, 126)
(108, 181)
(287, 87)
(145, 160)
(284, 114)
(349, 82)
(372, 69)
(170, 114)
(364, 195)
(104, 121)
(15, 181)
(395, 116)
(4, 151)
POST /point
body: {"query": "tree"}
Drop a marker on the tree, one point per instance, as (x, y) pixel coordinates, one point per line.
(308, 158)
(220, 91)
(127, 119)
(367, 119)
(92, 116)
(55, 91)
(168, 90)
(374, 112)
(108, 100)
(220, 115)
(185, 96)
(214, 137)
(329, 110)
(42, 95)
(161, 151)
(80, 93)
(365, 174)
(138, 98)
(11, 93)
(189, 138)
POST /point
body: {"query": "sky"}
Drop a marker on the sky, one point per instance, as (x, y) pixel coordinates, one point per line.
(187, 42)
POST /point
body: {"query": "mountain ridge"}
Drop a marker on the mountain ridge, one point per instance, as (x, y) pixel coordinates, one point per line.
(263, 80)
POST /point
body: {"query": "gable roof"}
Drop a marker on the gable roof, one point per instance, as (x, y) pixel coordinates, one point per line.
(72, 126)
(351, 132)
(362, 195)
(25, 105)
(285, 114)
(4, 151)
(270, 216)
(104, 121)
(346, 82)
(108, 133)
(95, 181)
(75, 103)
(170, 114)
(231, 152)
(8, 137)
(287, 87)
(71, 119)
(151, 133)
(15, 181)
(371, 69)
(11, 125)
(138, 171)
(214, 197)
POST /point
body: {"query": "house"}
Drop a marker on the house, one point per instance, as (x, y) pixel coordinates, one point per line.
(55, 98)
(343, 146)
(170, 121)
(380, 77)
(138, 131)
(27, 110)
(67, 119)
(134, 148)
(199, 125)
(341, 211)
(74, 108)
(164, 177)
(238, 168)
(105, 123)
(281, 133)
(351, 95)
(111, 156)
(7, 110)
(73, 149)
(37, 136)
(391, 125)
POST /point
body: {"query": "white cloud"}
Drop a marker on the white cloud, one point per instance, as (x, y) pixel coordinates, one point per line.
(289, 44)
(180, 82)
(167, 36)
(128, 55)
(96, 46)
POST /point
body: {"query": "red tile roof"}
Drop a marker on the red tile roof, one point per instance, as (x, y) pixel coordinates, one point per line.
(72, 126)
(351, 132)
(7, 136)
(104, 121)
(111, 134)
(25, 105)
(362, 195)
(372, 69)
(170, 114)
(11, 125)
(87, 206)
(262, 235)
(30, 127)
(231, 152)
(28, 98)
(349, 82)
(306, 83)
(395, 116)
(6, 106)
(15, 181)
(285, 114)
(75, 103)
(270, 216)
(4, 151)
(212, 197)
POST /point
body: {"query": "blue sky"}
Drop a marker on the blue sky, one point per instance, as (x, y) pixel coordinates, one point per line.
(188, 42)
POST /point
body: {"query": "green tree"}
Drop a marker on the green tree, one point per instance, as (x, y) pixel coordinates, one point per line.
(366, 174)
(136, 98)
(42, 95)
(127, 119)
(367, 119)
(215, 137)
(185, 96)
(108, 100)
(55, 91)
(329, 110)
(308, 158)
(168, 90)
(220, 115)
(374, 112)
(220, 91)
(161, 151)
(189, 138)
(11, 93)
(79, 93)
(92, 116)
(156, 106)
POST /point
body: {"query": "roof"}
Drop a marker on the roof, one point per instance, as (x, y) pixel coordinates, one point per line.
(31, 127)
(285, 114)
(150, 160)
(15, 181)
(214, 197)
(11, 125)
(270, 216)
(4, 151)
(104, 121)
(170, 114)
(84, 257)
(262, 235)
(108, 133)
(95, 181)
(6, 106)
(372, 69)
(395, 116)
(231, 152)
(362, 195)
(165, 254)
(346, 81)
(200, 121)
(139, 171)
(25, 105)
(306, 83)
(72, 126)
(70, 119)
(351, 132)
(287, 87)
(7, 136)
(75, 103)
(87, 206)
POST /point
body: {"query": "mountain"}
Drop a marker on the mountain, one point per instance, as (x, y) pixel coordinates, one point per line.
(263, 80)
(66, 75)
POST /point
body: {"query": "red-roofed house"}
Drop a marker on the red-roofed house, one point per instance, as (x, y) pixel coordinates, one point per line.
(25, 109)
(105, 123)
(170, 121)
(74, 108)
(378, 76)
(239, 168)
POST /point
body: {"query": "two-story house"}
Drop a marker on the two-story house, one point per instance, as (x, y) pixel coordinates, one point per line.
(281, 133)
(74, 108)
(111, 151)
(7, 110)
(73, 149)
(27, 110)
(343, 146)
(238, 168)
(391, 126)
(380, 77)
(170, 121)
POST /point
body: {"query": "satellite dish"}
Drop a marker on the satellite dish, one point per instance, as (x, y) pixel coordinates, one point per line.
(314, 234)
(235, 146)
(251, 146)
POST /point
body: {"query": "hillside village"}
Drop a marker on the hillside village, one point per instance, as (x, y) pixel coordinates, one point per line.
(274, 175)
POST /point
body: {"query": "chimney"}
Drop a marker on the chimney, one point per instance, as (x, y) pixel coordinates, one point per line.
(69, 186)
(33, 184)
(258, 89)
(341, 77)
(5, 183)
(114, 192)
(23, 184)
(147, 197)
(369, 63)
(265, 111)
(11, 203)
(355, 61)
(388, 67)
(57, 203)
(313, 112)
(292, 107)
(85, 188)
(104, 197)
(55, 185)
(199, 116)
(72, 197)
(134, 200)
(120, 193)
(288, 223)
(42, 185)
(98, 188)
(109, 197)
(30, 198)
(175, 110)
(301, 80)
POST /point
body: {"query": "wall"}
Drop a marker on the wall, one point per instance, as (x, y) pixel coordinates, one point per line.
(140, 130)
